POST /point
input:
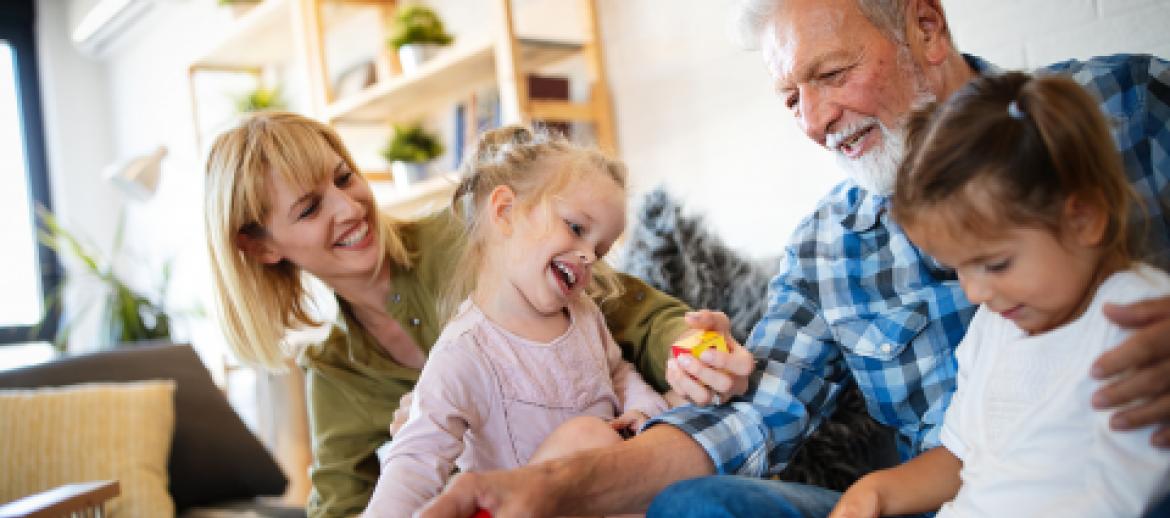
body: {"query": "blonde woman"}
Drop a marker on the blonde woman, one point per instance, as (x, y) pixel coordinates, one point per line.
(283, 199)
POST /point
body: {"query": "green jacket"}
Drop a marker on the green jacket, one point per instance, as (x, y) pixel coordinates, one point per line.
(353, 386)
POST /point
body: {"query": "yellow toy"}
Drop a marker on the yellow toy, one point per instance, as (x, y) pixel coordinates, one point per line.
(699, 342)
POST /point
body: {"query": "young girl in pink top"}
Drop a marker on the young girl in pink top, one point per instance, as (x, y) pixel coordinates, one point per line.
(527, 350)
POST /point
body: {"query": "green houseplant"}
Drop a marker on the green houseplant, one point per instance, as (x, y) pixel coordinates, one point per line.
(409, 150)
(126, 316)
(416, 35)
(260, 99)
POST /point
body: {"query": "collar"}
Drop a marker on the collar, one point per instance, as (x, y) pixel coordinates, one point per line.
(864, 209)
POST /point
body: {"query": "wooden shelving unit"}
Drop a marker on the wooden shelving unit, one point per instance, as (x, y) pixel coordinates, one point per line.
(283, 32)
(455, 73)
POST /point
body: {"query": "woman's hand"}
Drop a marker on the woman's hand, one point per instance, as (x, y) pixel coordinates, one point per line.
(1142, 366)
(716, 376)
(401, 414)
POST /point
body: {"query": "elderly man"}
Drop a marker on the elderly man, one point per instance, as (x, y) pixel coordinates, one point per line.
(855, 300)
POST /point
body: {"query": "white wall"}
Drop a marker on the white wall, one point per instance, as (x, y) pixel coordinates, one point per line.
(693, 110)
(699, 115)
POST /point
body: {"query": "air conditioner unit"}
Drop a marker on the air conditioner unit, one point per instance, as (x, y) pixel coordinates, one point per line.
(106, 22)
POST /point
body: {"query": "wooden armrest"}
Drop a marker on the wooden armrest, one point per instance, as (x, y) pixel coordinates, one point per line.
(63, 500)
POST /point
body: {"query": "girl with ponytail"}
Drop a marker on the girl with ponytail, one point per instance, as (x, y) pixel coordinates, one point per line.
(1015, 183)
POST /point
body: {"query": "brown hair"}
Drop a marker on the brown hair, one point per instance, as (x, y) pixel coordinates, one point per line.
(258, 303)
(518, 156)
(1026, 144)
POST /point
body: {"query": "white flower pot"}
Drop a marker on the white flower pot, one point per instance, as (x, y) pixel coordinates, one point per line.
(412, 56)
(407, 174)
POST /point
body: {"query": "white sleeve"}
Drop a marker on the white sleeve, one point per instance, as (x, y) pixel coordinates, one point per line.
(1128, 468)
(449, 398)
(955, 430)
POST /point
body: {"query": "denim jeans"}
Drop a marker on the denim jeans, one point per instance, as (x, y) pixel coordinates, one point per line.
(727, 496)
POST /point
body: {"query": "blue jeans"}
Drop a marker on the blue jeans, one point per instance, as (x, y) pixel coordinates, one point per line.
(735, 496)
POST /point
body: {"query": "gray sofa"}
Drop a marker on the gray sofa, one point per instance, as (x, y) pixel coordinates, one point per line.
(215, 461)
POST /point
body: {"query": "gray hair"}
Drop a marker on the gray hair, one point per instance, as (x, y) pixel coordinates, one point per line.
(751, 17)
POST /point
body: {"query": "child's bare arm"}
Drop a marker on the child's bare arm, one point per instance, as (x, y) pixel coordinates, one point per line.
(918, 486)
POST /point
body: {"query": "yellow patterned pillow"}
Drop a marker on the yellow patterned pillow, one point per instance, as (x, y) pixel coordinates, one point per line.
(95, 431)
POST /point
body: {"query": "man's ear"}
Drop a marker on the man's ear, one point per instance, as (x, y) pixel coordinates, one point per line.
(258, 248)
(927, 30)
(501, 202)
(1085, 221)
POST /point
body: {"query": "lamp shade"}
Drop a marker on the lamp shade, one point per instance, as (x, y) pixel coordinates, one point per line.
(138, 177)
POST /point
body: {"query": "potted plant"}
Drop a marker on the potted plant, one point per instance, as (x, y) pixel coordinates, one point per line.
(408, 152)
(126, 316)
(260, 99)
(417, 34)
(239, 7)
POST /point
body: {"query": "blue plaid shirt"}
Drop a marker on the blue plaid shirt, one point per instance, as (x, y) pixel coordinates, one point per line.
(855, 299)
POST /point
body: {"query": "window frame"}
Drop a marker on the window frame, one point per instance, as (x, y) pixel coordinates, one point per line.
(17, 29)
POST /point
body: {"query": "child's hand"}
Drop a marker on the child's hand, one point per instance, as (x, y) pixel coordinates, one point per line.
(861, 500)
(629, 422)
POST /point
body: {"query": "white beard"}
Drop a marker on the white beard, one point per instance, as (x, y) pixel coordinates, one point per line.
(876, 170)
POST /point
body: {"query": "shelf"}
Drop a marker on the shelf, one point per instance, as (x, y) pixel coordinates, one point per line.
(261, 36)
(455, 72)
(418, 200)
(265, 34)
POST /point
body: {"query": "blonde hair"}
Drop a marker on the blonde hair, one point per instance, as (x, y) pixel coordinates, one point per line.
(517, 156)
(1031, 143)
(258, 303)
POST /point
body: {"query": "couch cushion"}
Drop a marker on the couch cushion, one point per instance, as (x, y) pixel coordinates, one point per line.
(99, 431)
(214, 457)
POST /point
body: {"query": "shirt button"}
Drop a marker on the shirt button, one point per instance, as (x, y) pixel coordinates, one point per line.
(415, 322)
(397, 298)
(887, 348)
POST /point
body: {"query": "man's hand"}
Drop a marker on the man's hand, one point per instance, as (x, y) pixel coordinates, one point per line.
(1142, 364)
(401, 414)
(505, 494)
(719, 375)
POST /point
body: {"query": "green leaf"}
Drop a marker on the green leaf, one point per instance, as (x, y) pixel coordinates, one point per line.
(417, 24)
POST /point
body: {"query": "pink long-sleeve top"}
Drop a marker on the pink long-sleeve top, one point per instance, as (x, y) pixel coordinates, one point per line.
(488, 398)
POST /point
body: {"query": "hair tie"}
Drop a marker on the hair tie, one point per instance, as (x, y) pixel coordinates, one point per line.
(1014, 111)
(467, 204)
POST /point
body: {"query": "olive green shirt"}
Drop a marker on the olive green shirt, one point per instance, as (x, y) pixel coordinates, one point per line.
(354, 387)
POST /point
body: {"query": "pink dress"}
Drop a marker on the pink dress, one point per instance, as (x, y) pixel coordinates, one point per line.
(487, 399)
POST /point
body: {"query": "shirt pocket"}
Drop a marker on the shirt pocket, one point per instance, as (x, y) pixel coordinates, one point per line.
(882, 336)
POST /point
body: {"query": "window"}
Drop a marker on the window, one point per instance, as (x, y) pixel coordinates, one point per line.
(28, 270)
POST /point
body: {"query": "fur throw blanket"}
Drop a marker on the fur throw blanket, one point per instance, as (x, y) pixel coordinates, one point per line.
(677, 255)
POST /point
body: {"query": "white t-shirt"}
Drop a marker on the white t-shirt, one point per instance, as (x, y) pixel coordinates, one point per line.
(1023, 425)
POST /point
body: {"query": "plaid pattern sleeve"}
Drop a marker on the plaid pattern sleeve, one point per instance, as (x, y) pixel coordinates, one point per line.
(856, 301)
(1134, 91)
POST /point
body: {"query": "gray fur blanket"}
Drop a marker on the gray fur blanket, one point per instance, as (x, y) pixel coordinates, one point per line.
(677, 255)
